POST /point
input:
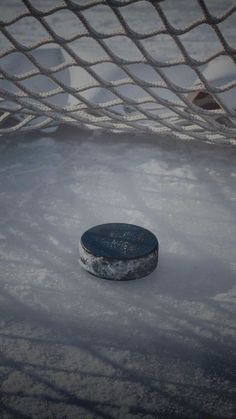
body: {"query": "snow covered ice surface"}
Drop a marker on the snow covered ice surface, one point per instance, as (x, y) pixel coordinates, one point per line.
(75, 346)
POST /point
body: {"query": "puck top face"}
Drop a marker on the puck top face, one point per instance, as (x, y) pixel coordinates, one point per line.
(119, 241)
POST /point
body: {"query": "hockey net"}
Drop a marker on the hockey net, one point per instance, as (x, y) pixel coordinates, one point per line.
(201, 108)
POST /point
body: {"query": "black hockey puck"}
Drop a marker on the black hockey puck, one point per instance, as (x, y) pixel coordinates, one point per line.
(118, 251)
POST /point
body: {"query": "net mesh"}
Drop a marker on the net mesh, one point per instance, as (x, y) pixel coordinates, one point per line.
(145, 93)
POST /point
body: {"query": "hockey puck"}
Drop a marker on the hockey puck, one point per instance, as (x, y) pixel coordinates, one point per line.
(118, 251)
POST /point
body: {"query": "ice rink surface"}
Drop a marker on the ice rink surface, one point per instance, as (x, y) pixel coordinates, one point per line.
(75, 346)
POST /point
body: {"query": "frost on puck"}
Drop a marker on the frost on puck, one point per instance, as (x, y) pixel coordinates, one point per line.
(118, 251)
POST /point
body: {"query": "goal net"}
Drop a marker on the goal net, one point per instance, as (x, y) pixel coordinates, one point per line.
(120, 65)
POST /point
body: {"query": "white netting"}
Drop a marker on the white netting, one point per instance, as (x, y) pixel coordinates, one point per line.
(102, 89)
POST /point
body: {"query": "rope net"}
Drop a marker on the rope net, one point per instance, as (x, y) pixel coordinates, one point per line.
(124, 78)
